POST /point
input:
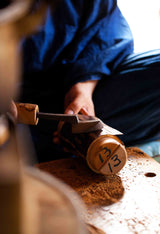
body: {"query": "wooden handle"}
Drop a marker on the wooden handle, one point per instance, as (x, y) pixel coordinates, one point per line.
(27, 113)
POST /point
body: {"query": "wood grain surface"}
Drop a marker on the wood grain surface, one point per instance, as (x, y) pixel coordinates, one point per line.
(128, 202)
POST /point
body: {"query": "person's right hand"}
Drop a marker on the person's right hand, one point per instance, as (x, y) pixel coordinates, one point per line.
(79, 98)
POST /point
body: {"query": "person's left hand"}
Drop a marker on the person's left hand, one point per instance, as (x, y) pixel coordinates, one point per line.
(79, 98)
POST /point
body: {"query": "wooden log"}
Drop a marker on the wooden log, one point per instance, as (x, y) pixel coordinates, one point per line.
(104, 154)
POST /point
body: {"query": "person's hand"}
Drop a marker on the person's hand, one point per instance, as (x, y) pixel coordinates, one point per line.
(79, 98)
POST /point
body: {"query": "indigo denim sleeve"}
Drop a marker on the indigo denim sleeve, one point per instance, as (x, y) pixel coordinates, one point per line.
(81, 40)
(102, 42)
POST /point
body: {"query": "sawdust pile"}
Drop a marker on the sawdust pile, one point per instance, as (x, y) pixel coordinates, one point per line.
(94, 189)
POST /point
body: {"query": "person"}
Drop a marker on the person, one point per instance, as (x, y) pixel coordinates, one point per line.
(82, 60)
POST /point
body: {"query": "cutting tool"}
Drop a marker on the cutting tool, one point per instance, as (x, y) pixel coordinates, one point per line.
(29, 114)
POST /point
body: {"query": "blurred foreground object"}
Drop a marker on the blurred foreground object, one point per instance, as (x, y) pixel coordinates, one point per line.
(15, 23)
(30, 201)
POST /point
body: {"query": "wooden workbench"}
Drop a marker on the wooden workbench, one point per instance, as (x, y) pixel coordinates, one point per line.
(128, 202)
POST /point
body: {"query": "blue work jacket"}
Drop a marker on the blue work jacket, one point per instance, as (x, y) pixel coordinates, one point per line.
(80, 40)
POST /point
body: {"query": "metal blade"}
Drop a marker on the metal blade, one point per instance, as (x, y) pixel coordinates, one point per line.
(94, 124)
(81, 123)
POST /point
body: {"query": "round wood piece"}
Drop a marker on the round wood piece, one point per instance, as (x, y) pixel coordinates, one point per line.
(106, 155)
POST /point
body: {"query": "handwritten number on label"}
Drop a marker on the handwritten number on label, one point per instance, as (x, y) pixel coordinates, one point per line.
(106, 152)
(115, 159)
(101, 159)
(110, 167)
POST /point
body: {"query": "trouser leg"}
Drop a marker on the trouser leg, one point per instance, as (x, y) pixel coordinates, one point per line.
(129, 100)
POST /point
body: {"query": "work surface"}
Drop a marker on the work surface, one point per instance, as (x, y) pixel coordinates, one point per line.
(128, 202)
